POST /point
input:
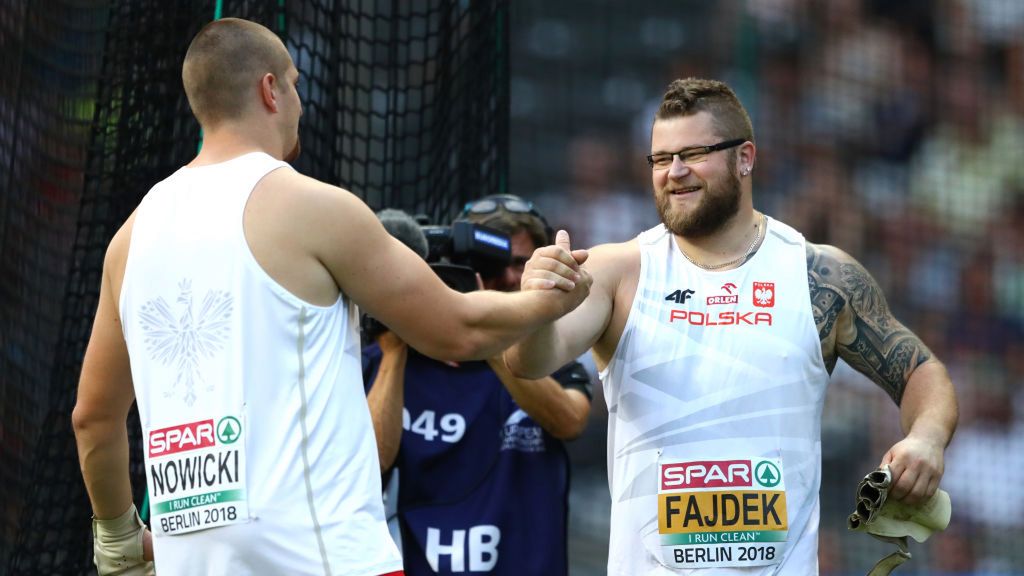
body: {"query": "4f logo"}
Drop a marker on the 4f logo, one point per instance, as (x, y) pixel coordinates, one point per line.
(679, 296)
(764, 294)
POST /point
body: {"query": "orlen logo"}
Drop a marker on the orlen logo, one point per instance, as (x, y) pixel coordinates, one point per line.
(727, 298)
(706, 474)
(181, 438)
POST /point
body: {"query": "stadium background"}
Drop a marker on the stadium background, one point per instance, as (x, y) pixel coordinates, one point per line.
(894, 130)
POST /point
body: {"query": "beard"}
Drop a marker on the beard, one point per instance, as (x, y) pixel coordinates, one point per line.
(718, 204)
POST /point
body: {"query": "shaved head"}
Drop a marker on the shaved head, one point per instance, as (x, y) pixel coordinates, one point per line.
(224, 65)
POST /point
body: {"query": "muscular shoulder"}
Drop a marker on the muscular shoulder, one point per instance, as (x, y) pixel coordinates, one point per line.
(303, 205)
(855, 323)
(116, 259)
(307, 195)
(616, 271)
(613, 263)
(840, 287)
(838, 273)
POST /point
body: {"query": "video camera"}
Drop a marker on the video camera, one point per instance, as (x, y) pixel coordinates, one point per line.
(460, 251)
(457, 253)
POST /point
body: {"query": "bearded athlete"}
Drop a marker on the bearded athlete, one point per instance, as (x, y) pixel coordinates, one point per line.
(715, 334)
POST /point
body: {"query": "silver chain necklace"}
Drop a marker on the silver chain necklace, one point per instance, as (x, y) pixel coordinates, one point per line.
(746, 253)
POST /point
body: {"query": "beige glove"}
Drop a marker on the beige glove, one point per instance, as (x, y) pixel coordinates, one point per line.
(117, 546)
(892, 521)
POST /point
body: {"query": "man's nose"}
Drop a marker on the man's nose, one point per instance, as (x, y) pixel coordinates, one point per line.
(678, 169)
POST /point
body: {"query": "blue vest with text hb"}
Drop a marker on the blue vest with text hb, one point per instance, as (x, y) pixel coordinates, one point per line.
(483, 489)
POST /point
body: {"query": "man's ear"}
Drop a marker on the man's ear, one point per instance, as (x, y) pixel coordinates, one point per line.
(267, 84)
(746, 157)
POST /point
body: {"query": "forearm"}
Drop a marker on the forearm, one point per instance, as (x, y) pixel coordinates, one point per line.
(562, 413)
(103, 457)
(385, 400)
(496, 320)
(929, 408)
(539, 354)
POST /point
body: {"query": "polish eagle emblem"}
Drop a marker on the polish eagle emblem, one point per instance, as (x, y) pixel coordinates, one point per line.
(184, 339)
(764, 294)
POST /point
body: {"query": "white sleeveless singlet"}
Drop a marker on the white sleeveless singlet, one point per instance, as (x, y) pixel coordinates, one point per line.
(715, 394)
(259, 452)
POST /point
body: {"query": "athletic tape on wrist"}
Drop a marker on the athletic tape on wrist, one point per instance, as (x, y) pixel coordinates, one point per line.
(117, 545)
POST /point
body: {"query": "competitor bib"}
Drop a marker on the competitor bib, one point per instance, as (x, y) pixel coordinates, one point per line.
(722, 513)
(196, 475)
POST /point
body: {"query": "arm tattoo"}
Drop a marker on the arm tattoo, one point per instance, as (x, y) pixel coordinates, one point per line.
(854, 322)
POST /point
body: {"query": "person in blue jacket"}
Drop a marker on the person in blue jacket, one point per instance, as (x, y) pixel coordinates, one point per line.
(483, 475)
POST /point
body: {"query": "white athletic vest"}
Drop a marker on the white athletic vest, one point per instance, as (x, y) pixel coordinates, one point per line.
(714, 396)
(260, 455)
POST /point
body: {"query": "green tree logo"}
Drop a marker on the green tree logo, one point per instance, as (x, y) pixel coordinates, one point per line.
(228, 430)
(767, 474)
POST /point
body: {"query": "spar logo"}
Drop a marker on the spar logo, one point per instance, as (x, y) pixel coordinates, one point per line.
(727, 298)
(228, 430)
(706, 474)
(767, 474)
(193, 436)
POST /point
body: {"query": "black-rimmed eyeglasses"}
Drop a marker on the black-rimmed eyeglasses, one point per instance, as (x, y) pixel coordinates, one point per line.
(695, 155)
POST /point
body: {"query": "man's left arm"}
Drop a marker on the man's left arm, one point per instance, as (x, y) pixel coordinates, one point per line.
(561, 411)
(856, 324)
(99, 419)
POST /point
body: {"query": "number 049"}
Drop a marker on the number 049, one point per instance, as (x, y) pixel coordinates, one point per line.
(452, 425)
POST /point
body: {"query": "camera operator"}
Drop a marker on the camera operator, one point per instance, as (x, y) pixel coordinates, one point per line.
(483, 474)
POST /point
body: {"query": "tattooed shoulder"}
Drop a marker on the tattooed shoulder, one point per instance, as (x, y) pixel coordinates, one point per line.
(855, 323)
(826, 300)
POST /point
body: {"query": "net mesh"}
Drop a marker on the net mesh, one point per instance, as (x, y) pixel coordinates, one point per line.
(404, 106)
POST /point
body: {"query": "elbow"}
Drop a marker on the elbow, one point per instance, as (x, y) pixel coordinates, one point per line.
(572, 425)
(86, 419)
(524, 370)
(569, 431)
(461, 348)
(387, 461)
(468, 348)
(82, 419)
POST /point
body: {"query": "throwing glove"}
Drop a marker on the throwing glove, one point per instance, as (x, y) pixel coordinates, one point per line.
(892, 521)
(117, 546)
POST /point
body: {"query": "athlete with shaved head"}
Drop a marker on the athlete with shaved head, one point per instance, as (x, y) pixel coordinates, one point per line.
(227, 311)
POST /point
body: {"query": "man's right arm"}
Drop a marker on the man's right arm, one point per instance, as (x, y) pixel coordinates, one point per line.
(395, 285)
(559, 342)
(387, 397)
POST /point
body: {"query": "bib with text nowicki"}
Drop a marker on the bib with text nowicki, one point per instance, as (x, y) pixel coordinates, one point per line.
(196, 475)
(722, 513)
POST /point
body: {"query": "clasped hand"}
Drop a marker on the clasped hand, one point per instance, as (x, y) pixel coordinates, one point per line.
(558, 266)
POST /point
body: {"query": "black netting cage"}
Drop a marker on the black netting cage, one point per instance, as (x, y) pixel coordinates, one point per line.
(405, 104)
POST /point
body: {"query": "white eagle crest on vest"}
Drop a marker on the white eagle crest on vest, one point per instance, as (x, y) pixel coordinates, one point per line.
(763, 295)
(184, 340)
